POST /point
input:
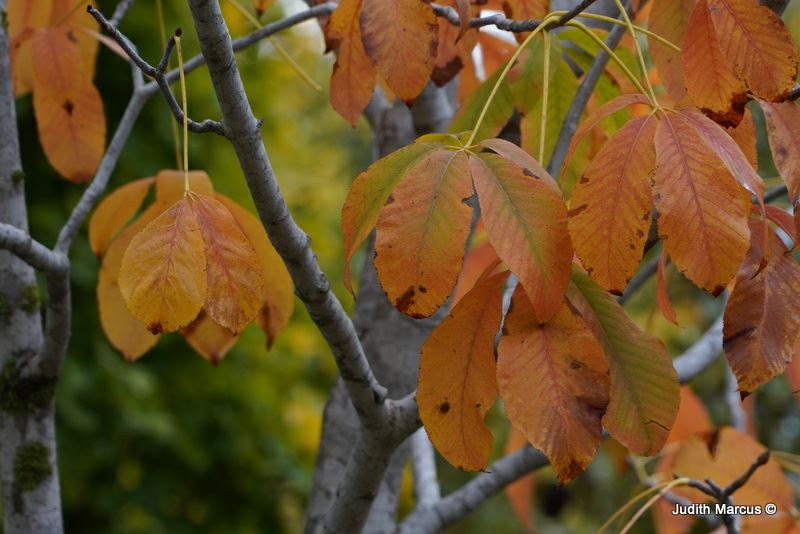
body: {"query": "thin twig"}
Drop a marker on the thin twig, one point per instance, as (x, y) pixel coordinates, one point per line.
(119, 12)
(38, 256)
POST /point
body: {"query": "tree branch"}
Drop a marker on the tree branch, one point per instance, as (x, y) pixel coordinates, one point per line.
(120, 11)
(502, 22)
(31, 251)
(423, 464)
(701, 354)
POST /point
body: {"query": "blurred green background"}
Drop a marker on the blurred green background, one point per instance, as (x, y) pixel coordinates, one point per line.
(172, 444)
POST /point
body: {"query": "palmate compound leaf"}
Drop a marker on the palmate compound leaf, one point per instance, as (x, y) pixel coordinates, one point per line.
(497, 115)
(235, 278)
(125, 332)
(369, 193)
(69, 111)
(554, 383)
(644, 395)
(703, 212)
(353, 77)
(421, 231)
(610, 209)
(783, 130)
(757, 45)
(114, 212)
(400, 37)
(526, 221)
(163, 272)
(457, 383)
(277, 298)
(761, 317)
(710, 83)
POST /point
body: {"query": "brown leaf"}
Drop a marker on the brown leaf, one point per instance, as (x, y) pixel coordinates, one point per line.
(661, 290)
(783, 131)
(669, 19)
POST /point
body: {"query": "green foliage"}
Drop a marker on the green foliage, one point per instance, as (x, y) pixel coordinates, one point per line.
(31, 466)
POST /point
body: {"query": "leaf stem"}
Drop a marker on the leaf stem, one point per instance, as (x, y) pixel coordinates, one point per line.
(278, 48)
(615, 57)
(549, 18)
(69, 13)
(638, 49)
(639, 29)
(162, 33)
(185, 114)
(545, 94)
(666, 487)
(638, 497)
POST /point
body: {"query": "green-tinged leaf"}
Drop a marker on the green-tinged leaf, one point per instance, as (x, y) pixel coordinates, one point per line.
(497, 115)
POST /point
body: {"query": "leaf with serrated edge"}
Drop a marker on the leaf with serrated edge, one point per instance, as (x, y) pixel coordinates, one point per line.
(368, 194)
(526, 221)
(761, 317)
(420, 233)
(163, 273)
(610, 209)
(757, 45)
(114, 212)
(457, 383)
(702, 210)
(277, 299)
(400, 37)
(234, 275)
(554, 384)
(644, 386)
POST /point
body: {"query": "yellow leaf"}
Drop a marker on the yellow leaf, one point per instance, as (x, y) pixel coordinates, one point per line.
(419, 245)
(457, 383)
(210, 340)
(24, 16)
(234, 275)
(170, 186)
(163, 272)
(68, 108)
(115, 211)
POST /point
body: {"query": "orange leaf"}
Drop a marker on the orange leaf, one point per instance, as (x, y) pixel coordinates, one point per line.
(512, 152)
(210, 340)
(68, 108)
(170, 187)
(692, 417)
(525, 9)
(125, 332)
(353, 77)
(702, 211)
(234, 275)
(23, 17)
(526, 221)
(669, 19)
(261, 6)
(480, 258)
(114, 212)
(278, 291)
(761, 317)
(783, 130)
(611, 205)
(419, 244)
(163, 272)
(644, 394)
(520, 492)
(400, 38)
(369, 192)
(709, 80)
(784, 220)
(554, 384)
(757, 45)
(661, 290)
(744, 134)
(457, 383)
(454, 51)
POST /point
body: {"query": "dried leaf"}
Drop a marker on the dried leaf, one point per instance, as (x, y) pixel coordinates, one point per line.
(783, 131)
(554, 384)
(669, 19)
(114, 212)
(526, 221)
(419, 244)
(478, 259)
(692, 417)
(457, 383)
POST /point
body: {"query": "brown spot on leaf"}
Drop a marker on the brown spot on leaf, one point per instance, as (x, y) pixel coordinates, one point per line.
(390, 199)
(444, 407)
(68, 106)
(575, 364)
(71, 37)
(527, 172)
(717, 290)
(584, 180)
(406, 300)
(575, 211)
(155, 328)
(423, 289)
(639, 232)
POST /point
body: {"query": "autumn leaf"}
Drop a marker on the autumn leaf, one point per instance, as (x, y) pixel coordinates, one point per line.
(368, 194)
(644, 395)
(692, 417)
(124, 331)
(457, 383)
(234, 275)
(757, 45)
(783, 131)
(702, 210)
(526, 221)
(554, 384)
(419, 244)
(208, 339)
(512, 152)
(353, 77)
(709, 80)
(114, 212)
(163, 272)
(24, 16)
(277, 298)
(744, 135)
(478, 259)
(611, 205)
(762, 314)
(662, 297)
(170, 187)
(497, 114)
(524, 10)
(261, 6)
(400, 38)
(68, 108)
(669, 19)
(520, 492)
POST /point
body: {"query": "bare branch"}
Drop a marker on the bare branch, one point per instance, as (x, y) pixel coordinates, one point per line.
(640, 279)
(423, 464)
(38, 256)
(794, 94)
(733, 400)
(157, 74)
(775, 193)
(504, 23)
(701, 354)
(120, 11)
